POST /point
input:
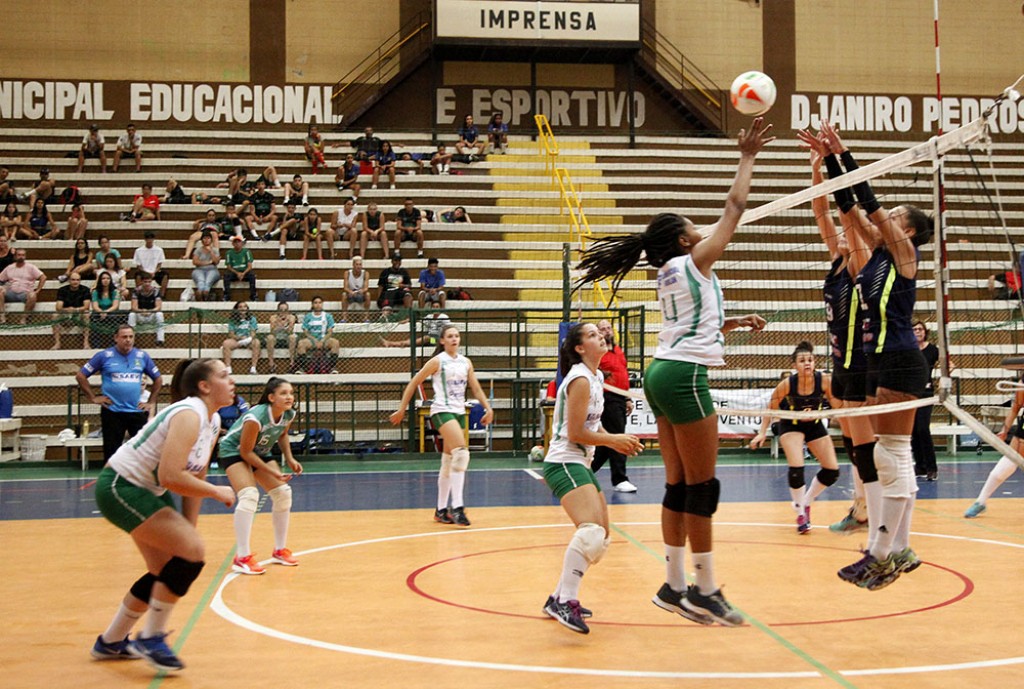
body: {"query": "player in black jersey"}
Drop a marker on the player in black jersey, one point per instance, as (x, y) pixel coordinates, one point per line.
(805, 390)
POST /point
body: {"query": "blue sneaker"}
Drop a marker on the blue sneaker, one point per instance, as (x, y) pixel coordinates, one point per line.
(157, 652)
(569, 614)
(118, 650)
(853, 572)
(584, 612)
(975, 510)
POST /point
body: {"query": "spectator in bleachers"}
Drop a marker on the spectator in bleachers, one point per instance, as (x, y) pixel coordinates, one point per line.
(1005, 285)
(433, 323)
(129, 145)
(394, 285)
(297, 188)
(290, 228)
(238, 262)
(497, 134)
(205, 274)
(373, 223)
(318, 350)
(347, 177)
(12, 226)
(176, 194)
(282, 335)
(145, 206)
(80, 262)
(409, 227)
(242, 332)
(231, 222)
(457, 214)
(344, 222)
(384, 163)
(262, 210)
(7, 191)
(149, 258)
(77, 223)
(44, 189)
(21, 282)
(38, 221)
(72, 298)
(470, 142)
(6, 252)
(432, 282)
(314, 145)
(93, 146)
(106, 300)
(440, 162)
(356, 288)
(217, 227)
(313, 231)
(366, 146)
(147, 305)
(112, 265)
(101, 253)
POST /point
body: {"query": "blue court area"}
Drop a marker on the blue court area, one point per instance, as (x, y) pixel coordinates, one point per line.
(72, 496)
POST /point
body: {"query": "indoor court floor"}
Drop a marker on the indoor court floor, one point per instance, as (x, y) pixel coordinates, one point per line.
(384, 597)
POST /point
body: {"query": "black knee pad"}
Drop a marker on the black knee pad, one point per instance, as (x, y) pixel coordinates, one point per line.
(178, 575)
(143, 588)
(675, 497)
(702, 498)
(827, 477)
(848, 446)
(796, 477)
(865, 460)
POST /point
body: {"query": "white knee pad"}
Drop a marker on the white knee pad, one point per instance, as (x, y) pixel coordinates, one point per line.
(590, 541)
(248, 500)
(282, 497)
(446, 465)
(460, 459)
(894, 462)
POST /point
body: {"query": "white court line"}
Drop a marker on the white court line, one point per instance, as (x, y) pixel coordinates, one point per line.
(534, 474)
(221, 608)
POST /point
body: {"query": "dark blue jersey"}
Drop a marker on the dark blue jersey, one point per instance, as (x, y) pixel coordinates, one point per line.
(887, 305)
(794, 401)
(842, 306)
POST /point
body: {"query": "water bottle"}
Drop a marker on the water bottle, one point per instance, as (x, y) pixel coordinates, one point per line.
(85, 428)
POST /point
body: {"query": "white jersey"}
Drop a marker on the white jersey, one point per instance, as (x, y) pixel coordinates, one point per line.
(692, 312)
(450, 383)
(138, 459)
(561, 451)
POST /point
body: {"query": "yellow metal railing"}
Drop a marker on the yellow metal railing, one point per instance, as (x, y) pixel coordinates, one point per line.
(547, 147)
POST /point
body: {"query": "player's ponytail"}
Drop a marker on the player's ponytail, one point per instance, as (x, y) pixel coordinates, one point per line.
(270, 388)
(567, 354)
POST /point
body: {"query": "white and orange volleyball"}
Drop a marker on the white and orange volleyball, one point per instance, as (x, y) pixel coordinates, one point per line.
(753, 93)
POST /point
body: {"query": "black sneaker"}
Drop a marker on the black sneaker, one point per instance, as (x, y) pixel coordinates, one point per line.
(459, 517)
(713, 605)
(584, 612)
(568, 614)
(443, 517)
(671, 600)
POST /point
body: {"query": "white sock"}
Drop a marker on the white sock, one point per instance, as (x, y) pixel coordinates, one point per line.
(243, 530)
(902, 538)
(444, 489)
(813, 491)
(280, 520)
(280, 250)
(158, 617)
(1003, 470)
(121, 626)
(458, 484)
(703, 565)
(893, 510)
(675, 567)
(797, 502)
(574, 566)
(873, 498)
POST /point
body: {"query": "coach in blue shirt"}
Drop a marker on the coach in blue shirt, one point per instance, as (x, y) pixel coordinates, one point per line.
(121, 368)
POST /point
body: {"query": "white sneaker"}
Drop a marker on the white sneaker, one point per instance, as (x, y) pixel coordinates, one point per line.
(374, 186)
(252, 369)
(393, 186)
(624, 487)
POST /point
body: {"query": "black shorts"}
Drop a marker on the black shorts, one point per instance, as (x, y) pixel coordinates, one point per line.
(848, 385)
(408, 236)
(811, 430)
(225, 462)
(1018, 430)
(91, 154)
(902, 371)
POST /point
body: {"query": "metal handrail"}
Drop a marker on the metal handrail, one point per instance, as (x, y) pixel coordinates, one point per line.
(546, 145)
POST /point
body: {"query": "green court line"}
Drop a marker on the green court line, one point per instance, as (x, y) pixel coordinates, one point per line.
(778, 638)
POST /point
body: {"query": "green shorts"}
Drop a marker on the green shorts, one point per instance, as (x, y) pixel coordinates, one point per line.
(124, 504)
(678, 390)
(563, 478)
(441, 418)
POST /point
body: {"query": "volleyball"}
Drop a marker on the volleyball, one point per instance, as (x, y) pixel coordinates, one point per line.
(537, 453)
(753, 93)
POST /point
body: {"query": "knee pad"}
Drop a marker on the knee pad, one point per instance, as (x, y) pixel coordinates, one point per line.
(282, 498)
(702, 498)
(895, 465)
(864, 458)
(446, 465)
(590, 541)
(675, 497)
(796, 477)
(143, 588)
(827, 477)
(178, 575)
(248, 500)
(460, 459)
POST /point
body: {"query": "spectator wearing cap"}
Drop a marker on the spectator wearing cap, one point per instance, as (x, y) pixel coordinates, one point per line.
(43, 190)
(409, 227)
(129, 145)
(149, 258)
(432, 285)
(93, 147)
(20, 282)
(394, 285)
(238, 261)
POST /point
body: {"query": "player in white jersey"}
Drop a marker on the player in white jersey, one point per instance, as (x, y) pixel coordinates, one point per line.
(676, 382)
(171, 453)
(452, 373)
(576, 429)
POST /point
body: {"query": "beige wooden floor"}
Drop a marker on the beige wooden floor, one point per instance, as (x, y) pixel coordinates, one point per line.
(389, 599)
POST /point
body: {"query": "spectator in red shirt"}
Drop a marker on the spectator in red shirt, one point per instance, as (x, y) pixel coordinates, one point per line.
(146, 205)
(616, 409)
(20, 282)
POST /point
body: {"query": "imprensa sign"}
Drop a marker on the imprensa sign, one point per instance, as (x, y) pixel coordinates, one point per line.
(537, 22)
